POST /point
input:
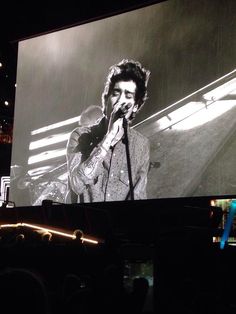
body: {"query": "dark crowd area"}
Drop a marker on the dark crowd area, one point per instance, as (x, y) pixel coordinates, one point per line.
(66, 278)
(190, 275)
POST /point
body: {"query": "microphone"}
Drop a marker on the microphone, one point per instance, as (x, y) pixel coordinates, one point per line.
(119, 113)
(122, 111)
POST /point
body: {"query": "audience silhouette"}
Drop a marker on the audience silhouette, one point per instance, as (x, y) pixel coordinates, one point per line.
(22, 291)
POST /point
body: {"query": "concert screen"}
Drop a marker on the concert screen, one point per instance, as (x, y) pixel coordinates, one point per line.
(137, 105)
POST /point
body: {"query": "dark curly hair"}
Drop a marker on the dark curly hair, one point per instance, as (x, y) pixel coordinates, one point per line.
(127, 70)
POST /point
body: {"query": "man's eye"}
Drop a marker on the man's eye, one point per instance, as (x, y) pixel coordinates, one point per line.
(129, 96)
(115, 93)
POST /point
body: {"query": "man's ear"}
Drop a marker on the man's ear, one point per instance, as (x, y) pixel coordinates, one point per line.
(135, 108)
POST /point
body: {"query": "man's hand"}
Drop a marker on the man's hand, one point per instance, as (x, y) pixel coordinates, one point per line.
(115, 127)
(116, 131)
(117, 114)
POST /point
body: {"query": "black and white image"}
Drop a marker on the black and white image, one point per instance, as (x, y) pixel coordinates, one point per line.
(181, 133)
(106, 159)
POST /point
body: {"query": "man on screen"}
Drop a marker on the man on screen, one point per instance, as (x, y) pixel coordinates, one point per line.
(97, 154)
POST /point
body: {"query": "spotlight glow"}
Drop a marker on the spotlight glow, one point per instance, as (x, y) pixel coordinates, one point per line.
(55, 125)
(51, 231)
(53, 139)
(46, 155)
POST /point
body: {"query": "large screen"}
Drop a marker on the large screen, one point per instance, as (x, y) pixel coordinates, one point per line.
(138, 105)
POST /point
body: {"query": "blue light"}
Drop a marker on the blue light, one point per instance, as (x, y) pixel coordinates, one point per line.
(228, 225)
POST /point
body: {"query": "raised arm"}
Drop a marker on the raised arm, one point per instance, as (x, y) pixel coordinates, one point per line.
(83, 169)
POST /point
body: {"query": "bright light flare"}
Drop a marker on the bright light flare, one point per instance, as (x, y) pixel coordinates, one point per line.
(46, 156)
(53, 139)
(205, 115)
(52, 231)
(194, 114)
(221, 91)
(55, 125)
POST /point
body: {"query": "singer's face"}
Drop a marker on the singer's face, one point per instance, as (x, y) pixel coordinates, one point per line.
(122, 97)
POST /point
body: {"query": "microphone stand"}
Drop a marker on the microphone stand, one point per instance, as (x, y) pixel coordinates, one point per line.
(126, 140)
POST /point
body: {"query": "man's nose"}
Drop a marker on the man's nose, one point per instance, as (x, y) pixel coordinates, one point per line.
(122, 99)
